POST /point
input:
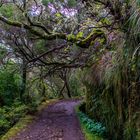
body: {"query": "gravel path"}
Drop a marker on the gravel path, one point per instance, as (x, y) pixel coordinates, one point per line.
(56, 122)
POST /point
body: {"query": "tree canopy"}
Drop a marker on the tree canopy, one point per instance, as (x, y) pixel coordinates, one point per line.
(94, 43)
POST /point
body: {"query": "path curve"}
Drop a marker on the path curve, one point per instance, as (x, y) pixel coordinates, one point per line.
(56, 122)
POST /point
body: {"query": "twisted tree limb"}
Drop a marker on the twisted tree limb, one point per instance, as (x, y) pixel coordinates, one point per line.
(85, 43)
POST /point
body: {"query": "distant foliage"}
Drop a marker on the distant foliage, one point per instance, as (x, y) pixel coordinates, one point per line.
(7, 11)
(77, 88)
(9, 86)
(46, 2)
(72, 3)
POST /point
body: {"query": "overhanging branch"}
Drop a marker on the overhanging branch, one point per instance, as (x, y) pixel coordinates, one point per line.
(85, 43)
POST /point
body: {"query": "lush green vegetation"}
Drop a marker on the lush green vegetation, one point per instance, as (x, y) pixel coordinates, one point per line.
(18, 127)
(92, 130)
(24, 120)
(72, 48)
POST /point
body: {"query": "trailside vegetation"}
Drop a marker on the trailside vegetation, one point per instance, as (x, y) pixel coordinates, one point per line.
(67, 48)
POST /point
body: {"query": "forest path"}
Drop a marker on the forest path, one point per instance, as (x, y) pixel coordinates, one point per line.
(55, 122)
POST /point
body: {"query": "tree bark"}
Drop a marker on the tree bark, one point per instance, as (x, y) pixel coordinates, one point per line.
(67, 87)
(24, 78)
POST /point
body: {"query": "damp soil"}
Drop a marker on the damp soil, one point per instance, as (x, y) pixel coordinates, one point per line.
(55, 122)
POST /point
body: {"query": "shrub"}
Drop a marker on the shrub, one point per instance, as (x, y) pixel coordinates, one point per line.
(10, 115)
(91, 125)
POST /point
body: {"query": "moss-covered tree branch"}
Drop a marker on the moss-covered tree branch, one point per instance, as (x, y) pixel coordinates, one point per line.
(84, 43)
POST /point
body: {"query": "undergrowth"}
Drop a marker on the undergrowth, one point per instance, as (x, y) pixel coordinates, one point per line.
(22, 116)
(93, 130)
(9, 115)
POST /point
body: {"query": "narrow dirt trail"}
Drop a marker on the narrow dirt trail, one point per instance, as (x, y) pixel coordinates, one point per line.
(56, 122)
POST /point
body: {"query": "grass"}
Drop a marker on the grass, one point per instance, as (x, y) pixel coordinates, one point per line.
(88, 135)
(24, 122)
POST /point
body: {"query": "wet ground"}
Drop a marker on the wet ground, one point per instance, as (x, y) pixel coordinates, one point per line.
(55, 122)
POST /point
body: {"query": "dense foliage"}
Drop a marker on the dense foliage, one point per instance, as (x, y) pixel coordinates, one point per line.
(66, 48)
(91, 125)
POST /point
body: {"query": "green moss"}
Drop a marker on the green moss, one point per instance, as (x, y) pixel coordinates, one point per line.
(91, 37)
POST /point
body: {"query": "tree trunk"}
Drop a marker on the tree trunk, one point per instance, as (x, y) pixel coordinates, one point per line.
(24, 77)
(64, 76)
(1, 101)
(67, 87)
(61, 91)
